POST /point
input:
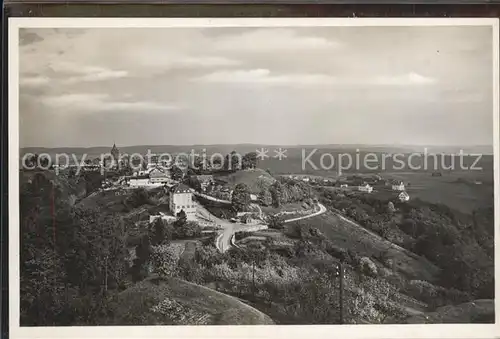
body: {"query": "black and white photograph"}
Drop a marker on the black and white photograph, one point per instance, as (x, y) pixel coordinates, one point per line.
(174, 174)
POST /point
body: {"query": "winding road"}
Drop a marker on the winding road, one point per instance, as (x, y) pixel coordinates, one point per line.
(322, 209)
(223, 240)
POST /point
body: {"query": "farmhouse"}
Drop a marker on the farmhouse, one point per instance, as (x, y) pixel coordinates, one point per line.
(365, 188)
(139, 181)
(403, 196)
(159, 175)
(398, 186)
(181, 199)
(142, 181)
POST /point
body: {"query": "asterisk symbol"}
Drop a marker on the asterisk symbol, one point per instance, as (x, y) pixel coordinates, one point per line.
(280, 153)
(262, 153)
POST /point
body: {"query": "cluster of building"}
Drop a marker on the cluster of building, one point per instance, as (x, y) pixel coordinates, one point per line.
(313, 180)
(396, 186)
(154, 176)
(209, 185)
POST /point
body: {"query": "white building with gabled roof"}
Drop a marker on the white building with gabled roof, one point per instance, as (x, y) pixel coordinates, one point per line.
(403, 196)
(398, 186)
(159, 175)
(365, 188)
(181, 199)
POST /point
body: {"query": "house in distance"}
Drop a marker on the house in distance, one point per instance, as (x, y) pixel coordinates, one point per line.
(398, 185)
(365, 188)
(403, 196)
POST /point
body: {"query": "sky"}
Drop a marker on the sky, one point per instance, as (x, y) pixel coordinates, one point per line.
(281, 86)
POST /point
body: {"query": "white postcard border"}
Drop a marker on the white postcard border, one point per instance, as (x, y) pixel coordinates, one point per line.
(270, 331)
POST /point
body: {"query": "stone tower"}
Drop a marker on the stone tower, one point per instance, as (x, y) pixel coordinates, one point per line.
(115, 153)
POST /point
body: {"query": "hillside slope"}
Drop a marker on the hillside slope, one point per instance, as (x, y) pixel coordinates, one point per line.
(158, 301)
(478, 311)
(255, 179)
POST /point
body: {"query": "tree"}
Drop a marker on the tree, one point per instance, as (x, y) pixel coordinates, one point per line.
(68, 256)
(194, 182)
(95, 253)
(93, 181)
(265, 197)
(390, 207)
(158, 236)
(249, 160)
(143, 252)
(241, 197)
(181, 219)
(276, 222)
(164, 261)
(233, 162)
(176, 173)
(138, 198)
(277, 193)
(188, 230)
(42, 279)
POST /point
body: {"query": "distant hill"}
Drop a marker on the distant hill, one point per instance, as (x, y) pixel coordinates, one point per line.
(181, 303)
(245, 148)
(295, 160)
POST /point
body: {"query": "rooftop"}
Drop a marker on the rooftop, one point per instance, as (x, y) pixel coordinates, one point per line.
(180, 188)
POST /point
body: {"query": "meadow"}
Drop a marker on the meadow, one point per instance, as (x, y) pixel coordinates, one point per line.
(454, 189)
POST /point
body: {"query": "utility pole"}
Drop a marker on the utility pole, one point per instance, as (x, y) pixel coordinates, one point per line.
(106, 276)
(341, 292)
(253, 278)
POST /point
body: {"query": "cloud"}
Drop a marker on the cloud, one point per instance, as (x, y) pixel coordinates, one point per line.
(33, 81)
(264, 76)
(102, 102)
(74, 72)
(158, 60)
(407, 79)
(26, 37)
(98, 76)
(273, 39)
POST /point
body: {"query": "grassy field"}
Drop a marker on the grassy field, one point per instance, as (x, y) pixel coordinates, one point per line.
(291, 207)
(254, 179)
(109, 200)
(455, 189)
(184, 303)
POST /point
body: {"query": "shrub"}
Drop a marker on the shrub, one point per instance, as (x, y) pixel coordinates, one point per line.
(208, 256)
(276, 222)
(367, 267)
(337, 252)
(189, 230)
(164, 260)
(138, 198)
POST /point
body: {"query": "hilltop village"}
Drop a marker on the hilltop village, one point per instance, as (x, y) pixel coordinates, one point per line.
(190, 243)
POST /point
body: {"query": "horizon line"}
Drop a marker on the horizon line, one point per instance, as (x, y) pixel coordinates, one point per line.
(266, 144)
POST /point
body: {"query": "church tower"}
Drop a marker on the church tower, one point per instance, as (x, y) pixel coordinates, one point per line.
(115, 153)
